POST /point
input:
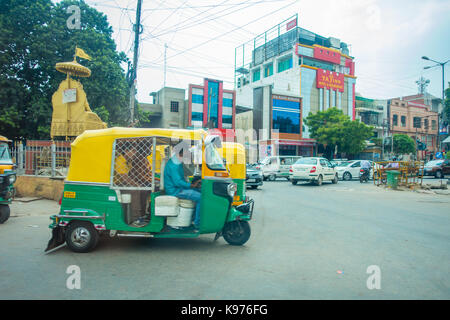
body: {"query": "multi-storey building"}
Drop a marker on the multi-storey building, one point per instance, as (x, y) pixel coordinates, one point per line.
(287, 73)
(207, 106)
(409, 116)
(211, 106)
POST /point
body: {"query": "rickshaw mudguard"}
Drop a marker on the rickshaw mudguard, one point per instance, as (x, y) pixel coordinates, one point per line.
(235, 214)
(57, 238)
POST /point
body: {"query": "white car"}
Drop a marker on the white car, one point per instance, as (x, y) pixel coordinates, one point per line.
(350, 170)
(312, 169)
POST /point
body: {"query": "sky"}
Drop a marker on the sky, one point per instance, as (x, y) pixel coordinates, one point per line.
(387, 38)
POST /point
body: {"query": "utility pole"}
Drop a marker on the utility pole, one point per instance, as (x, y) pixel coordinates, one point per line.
(165, 63)
(137, 27)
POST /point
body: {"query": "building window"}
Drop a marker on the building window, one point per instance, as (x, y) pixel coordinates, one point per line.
(395, 120)
(227, 102)
(416, 122)
(425, 124)
(318, 64)
(433, 124)
(403, 121)
(173, 106)
(196, 98)
(286, 116)
(268, 70)
(284, 64)
(256, 75)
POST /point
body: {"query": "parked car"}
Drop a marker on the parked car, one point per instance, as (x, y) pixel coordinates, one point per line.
(350, 169)
(277, 166)
(437, 168)
(313, 169)
(254, 177)
(337, 162)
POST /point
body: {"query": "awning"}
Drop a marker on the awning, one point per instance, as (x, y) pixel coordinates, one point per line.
(446, 140)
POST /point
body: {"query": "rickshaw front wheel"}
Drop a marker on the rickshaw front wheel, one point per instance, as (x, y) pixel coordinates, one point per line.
(81, 236)
(4, 213)
(236, 233)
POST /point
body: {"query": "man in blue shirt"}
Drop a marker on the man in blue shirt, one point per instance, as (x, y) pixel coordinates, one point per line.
(176, 185)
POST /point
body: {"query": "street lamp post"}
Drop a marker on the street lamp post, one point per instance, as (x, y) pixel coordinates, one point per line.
(442, 64)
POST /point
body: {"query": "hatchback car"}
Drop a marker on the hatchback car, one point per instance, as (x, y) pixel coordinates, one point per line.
(254, 177)
(350, 170)
(437, 168)
(313, 169)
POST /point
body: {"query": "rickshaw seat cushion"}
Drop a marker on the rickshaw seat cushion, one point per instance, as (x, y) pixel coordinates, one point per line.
(166, 206)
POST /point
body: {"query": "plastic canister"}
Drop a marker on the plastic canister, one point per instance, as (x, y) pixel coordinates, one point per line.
(184, 218)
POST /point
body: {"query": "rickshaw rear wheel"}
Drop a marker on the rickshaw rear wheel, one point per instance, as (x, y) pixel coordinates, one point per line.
(4, 213)
(236, 233)
(81, 236)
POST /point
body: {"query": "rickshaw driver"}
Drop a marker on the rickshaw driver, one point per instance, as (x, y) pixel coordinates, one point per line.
(175, 185)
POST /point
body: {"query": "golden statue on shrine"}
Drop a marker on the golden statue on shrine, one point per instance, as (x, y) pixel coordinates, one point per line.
(71, 112)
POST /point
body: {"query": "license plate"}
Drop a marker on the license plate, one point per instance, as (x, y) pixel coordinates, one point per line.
(251, 180)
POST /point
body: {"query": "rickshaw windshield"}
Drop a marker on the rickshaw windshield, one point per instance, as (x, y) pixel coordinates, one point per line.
(213, 159)
(4, 152)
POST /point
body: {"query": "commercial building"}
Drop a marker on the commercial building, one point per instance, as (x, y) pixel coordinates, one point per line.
(207, 106)
(213, 107)
(286, 73)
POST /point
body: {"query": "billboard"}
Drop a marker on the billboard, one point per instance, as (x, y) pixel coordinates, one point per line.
(330, 80)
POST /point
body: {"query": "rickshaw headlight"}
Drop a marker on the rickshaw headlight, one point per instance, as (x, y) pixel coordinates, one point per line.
(231, 189)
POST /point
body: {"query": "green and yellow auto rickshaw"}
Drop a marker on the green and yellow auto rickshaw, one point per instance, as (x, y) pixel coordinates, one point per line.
(234, 155)
(103, 190)
(7, 179)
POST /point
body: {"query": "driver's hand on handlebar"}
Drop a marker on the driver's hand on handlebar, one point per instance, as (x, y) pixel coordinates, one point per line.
(196, 184)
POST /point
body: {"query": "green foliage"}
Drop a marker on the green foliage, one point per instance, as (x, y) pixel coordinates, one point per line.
(332, 127)
(446, 111)
(404, 144)
(34, 37)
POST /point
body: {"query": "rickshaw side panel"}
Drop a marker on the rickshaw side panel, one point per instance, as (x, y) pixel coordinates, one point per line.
(213, 208)
(103, 200)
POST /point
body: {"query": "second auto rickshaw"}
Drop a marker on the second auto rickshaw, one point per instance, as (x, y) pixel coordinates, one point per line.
(7, 179)
(102, 193)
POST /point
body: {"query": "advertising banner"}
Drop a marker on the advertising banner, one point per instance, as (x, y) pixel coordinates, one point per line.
(330, 80)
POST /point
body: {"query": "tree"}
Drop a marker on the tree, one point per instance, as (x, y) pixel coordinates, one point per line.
(353, 137)
(446, 111)
(33, 37)
(404, 144)
(332, 128)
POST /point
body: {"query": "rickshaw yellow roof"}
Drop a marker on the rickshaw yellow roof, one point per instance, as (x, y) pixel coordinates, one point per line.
(91, 154)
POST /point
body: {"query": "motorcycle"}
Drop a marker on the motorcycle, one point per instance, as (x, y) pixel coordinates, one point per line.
(363, 175)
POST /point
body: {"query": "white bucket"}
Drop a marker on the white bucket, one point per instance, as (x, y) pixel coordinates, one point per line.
(184, 218)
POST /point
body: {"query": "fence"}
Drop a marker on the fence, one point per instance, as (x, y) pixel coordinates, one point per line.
(410, 172)
(41, 158)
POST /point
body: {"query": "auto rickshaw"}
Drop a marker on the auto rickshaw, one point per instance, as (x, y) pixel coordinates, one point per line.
(7, 179)
(234, 155)
(102, 193)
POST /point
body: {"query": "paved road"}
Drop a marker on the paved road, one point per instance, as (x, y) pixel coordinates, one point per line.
(307, 242)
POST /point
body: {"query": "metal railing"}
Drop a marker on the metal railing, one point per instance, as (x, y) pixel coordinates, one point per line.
(41, 158)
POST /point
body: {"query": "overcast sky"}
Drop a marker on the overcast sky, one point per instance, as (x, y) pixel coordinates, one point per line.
(387, 38)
